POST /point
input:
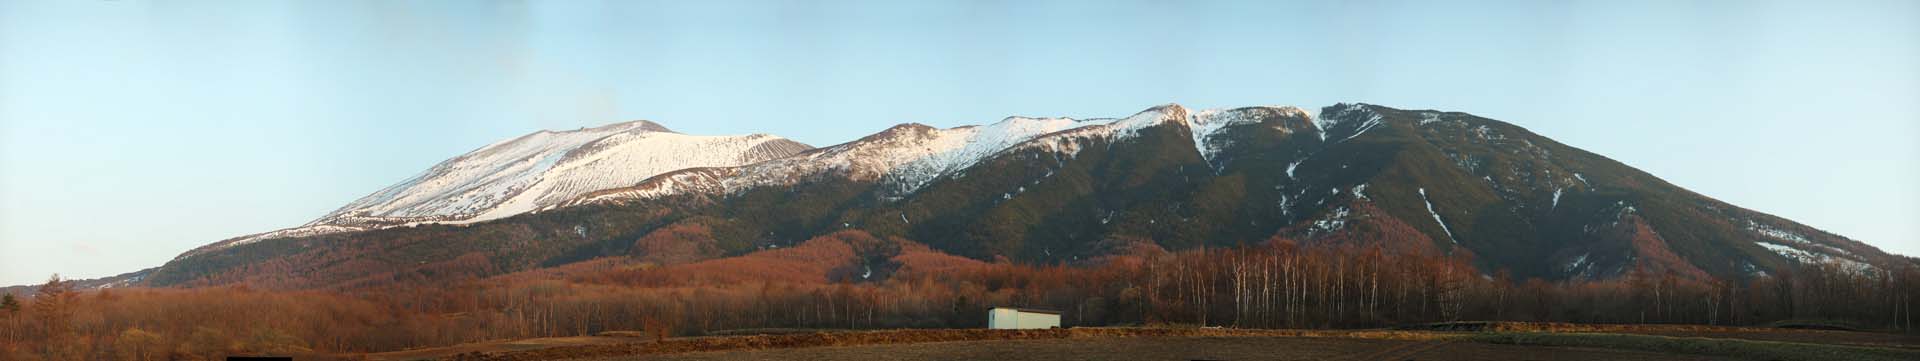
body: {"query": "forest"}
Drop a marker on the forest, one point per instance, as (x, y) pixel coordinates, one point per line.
(853, 280)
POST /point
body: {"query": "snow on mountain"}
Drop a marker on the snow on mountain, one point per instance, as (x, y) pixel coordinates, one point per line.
(1206, 123)
(546, 168)
(1069, 141)
(1806, 257)
(537, 171)
(907, 156)
(302, 231)
(1344, 115)
(910, 156)
(1436, 217)
(641, 161)
(1776, 233)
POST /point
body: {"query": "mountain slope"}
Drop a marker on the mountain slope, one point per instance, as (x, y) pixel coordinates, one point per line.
(1059, 190)
(1411, 180)
(905, 158)
(545, 168)
(1523, 202)
(536, 171)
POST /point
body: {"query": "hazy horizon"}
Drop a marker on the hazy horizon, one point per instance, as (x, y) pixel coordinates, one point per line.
(132, 131)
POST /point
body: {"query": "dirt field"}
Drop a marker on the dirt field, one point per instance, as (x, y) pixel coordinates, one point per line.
(1855, 338)
(1499, 341)
(1873, 339)
(496, 346)
(1178, 348)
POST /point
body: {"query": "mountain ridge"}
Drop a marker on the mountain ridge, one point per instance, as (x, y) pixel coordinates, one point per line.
(532, 171)
(1054, 190)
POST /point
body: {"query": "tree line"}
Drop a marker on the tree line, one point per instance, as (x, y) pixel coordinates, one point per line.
(1276, 284)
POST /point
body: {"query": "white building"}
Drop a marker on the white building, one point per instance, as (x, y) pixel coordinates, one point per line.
(1003, 318)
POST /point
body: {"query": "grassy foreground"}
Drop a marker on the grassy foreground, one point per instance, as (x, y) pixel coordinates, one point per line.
(1529, 335)
(1752, 349)
(906, 336)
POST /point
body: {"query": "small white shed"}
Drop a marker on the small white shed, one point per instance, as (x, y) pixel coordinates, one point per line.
(1006, 318)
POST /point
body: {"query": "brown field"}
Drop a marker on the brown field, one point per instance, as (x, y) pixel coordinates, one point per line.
(1872, 339)
(499, 346)
(1180, 348)
(1570, 342)
(1828, 337)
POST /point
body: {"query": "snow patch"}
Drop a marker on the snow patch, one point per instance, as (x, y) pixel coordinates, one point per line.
(302, 231)
(1333, 222)
(1622, 210)
(1576, 263)
(1313, 117)
(1347, 113)
(1805, 257)
(1436, 217)
(1776, 233)
(1487, 133)
(1751, 270)
(1556, 197)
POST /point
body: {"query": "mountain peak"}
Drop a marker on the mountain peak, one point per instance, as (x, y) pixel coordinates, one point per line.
(545, 168)
(1015, 120)
(642, 124)
(1157, 115)
(1170, 110)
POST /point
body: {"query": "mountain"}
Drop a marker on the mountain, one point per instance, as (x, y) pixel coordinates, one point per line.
(904, 158)
(1037, 190)
(546, 168)
(535, 171)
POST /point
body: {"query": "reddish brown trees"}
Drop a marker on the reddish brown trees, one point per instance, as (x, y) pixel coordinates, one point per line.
(1277, 284)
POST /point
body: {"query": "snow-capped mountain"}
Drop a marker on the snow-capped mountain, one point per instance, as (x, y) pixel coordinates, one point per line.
(907, 157)
(1503, 184)
(546, 168)
(1046, 190)
(535, 171)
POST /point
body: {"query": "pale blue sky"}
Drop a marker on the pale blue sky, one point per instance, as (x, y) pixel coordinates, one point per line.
(131, 131)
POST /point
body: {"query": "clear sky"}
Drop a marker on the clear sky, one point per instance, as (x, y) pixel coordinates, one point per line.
(131, 130)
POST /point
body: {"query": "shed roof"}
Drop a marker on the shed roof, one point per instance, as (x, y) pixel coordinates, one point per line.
(1030, 310)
